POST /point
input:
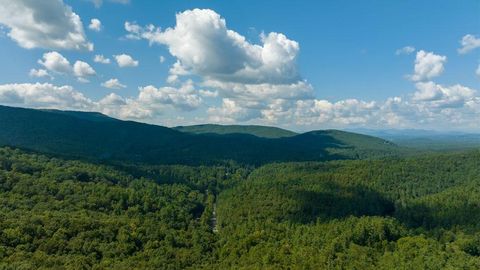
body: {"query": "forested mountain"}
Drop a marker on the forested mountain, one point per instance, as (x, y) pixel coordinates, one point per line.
(94, 136)
(259, 131)
(168, 199)
(394, 213)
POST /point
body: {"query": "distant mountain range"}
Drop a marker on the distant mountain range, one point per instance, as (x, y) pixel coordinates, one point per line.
(427, 139)
(99, 137)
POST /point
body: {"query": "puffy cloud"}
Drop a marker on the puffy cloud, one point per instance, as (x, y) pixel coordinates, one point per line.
(149, 103)
(39, 73)
(46, 24)
(95, 25)
(184, 98)
(43, 96)
(343, 113)
(265, 91)
(101, 59)
(82, 69)
(431, 106)
(469, 43)
(248, 77)
(205, 46)
(113, 84)
(55, 62)
(125, 60)
(438, 96)
(428, 65)
(124, 108)
(231, 111)
(162, 59)
(405, 50)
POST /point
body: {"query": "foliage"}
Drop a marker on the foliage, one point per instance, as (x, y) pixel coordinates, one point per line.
(394, 213)
(95, 137)
(259, 131)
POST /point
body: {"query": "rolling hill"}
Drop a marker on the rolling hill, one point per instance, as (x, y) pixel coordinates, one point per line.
(98, 137)
(259, 131)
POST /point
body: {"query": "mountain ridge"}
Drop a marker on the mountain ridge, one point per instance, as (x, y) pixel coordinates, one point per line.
(68, 134)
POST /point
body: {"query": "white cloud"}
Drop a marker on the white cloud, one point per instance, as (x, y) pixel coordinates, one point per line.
(469, 43)
(149, 103)
(184, 98)
(57, 63)
(124, 108)
(125, 60)
(205, 46)
(207, 93)
(428, 65)
(54, 61)
(405, 50)
(162, 59)
(231, 111)
(101, 59)
(95, 25)
(478, 71)
(39, 73)
(43, 96)
(113, 84)
(48, 24)
(248, 77)
(438, 96)
(99, 3)
(82, 69)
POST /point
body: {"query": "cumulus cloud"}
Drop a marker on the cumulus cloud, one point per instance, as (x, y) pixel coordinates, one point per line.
(149, 103)
(113, 84)
(39, 73)
(439, 96)
(405, 50)
(101, 59)
(248, 77)
(469, 43)
(205, 46)
(54, 61)
(48, 24)
(162, 59)
(57, 63)
(95, 25)
(43, 96)
(428, 65)
(231, 111)
(125, 60)
(82, 70)
(263, 92)
(184, 98)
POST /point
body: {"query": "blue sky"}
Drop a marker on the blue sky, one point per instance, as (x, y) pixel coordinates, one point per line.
(328, 64)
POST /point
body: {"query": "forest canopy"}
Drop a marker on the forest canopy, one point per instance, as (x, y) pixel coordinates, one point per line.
(392, 213)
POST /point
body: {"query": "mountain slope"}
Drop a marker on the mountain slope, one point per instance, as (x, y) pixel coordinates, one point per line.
(70, 135)
(259, 131)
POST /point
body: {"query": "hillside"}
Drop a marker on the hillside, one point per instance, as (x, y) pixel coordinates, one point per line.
(83, 135)
(413, 213)
(259, 131)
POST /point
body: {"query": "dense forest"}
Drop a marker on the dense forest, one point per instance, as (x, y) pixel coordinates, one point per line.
(94, 136)
(387, 213)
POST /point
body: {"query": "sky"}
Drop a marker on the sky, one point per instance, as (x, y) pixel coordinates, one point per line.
(301, 65)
